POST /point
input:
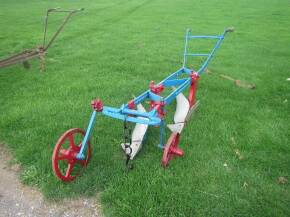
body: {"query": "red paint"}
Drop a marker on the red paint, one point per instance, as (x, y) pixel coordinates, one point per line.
(157, 89)
(171, 149)
(192, 89)
(159, 106)
(64, 156)
(97, 105)
(131, 104)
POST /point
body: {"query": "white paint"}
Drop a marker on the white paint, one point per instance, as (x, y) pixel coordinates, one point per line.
(182, 108)
(137, 135)
(176, 128)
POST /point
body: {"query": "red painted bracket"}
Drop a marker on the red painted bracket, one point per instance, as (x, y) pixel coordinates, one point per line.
(97, 105)
(131, 104)
(157, 89)
(192, 90)
(159, 106)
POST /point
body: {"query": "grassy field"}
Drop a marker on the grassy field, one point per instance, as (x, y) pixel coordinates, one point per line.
(112, 50)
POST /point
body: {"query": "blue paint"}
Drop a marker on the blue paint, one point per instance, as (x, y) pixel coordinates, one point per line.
(155, 97)
(162, 130)
(173, 82)
(150, 118)
(177, 91)
(188, 37)
(205, 36)
(197, 54)
(81, 155)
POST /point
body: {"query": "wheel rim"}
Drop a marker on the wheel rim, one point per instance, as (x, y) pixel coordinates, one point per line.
(65, 164)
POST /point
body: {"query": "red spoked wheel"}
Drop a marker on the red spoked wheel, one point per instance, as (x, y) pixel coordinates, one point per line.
(65, 164)
(171, 149)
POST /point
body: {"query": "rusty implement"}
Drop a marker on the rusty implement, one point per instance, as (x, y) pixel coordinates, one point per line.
(239, 83)
(39, 51)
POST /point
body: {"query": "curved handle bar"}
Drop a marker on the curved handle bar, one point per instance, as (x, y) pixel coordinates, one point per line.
(52, 9)
(70, 13)
(58, 9)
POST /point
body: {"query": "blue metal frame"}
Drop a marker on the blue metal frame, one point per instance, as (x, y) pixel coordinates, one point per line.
(152, 118)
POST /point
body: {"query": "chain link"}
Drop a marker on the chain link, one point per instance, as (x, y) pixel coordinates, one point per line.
(127, 141)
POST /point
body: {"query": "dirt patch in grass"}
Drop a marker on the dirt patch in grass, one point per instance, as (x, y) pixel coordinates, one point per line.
(19, 200)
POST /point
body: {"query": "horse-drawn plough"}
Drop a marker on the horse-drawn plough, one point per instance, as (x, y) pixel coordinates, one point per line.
(69, 156)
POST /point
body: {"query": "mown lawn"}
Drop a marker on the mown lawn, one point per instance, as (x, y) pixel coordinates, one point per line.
(112, 50)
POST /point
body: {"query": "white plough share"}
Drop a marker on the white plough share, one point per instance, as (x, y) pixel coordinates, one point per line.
(72, 150)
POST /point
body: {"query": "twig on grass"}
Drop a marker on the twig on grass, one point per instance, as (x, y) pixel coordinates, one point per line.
(208, 193)
(237, 82)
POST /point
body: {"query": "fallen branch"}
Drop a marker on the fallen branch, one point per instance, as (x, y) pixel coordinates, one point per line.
(238, 83)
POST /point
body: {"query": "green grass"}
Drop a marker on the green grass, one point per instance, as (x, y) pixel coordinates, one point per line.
(112, 50)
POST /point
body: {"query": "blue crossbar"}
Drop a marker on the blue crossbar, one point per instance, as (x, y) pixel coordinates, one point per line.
(196, 54)
(206, 36)
(148, 118)
(210, 55)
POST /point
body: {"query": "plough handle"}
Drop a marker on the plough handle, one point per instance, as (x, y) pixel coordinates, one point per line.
(52, 9)
(58, 9)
